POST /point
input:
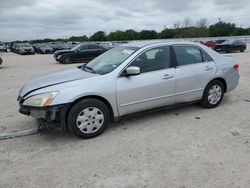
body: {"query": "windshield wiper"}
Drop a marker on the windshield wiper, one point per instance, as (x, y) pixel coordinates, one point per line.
(89, 68)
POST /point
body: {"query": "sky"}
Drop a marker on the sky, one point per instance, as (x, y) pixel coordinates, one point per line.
(38, 19)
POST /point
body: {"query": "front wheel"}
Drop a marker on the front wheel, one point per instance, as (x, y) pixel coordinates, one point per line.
(88, 118)
(67, 60)
(213, 94)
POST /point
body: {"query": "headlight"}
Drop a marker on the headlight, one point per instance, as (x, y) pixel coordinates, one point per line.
(59, 56)
(40, 100)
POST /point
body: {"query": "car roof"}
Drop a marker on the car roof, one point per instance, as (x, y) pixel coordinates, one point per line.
(140, 44)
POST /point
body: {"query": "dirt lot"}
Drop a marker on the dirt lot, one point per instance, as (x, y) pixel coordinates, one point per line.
(183, 147)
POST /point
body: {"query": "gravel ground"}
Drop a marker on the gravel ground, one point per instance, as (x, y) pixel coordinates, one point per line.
(182, 147)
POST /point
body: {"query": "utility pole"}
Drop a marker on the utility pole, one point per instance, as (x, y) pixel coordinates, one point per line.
(219, 19)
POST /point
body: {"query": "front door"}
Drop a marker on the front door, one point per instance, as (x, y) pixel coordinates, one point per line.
(153, 87)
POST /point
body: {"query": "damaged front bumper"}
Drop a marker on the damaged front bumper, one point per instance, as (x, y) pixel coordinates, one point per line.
(52, 116)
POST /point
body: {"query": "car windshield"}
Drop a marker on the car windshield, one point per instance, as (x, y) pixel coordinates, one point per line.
(24, 45)
(110, 60)
(75, 47)
(227, 42)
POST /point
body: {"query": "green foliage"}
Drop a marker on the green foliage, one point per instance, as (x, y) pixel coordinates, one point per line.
(79, 38)
(167, 33)
(222, 29)
(200, 30)
(148, 34)
(99, 36)
(131, 35)
(116, 36)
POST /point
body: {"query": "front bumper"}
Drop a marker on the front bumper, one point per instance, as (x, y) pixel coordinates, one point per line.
(52, 115)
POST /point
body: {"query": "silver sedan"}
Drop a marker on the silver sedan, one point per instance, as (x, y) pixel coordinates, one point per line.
(129, 78)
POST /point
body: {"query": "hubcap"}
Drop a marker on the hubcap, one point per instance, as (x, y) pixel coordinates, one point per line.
(90, 120)
(214, 94)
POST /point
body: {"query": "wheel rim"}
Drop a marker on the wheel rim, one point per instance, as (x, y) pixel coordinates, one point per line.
(90, 120)
(67, 60)
(214, 94)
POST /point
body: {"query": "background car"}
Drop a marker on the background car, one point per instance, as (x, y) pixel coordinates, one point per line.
(3, 47)
(231, 46)
(43, 49)
(211, 43)
(79, 54)
(24, 48)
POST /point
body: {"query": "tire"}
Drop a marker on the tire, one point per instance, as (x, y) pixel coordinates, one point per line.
(242, 50)
(213, 94)
(88, 118)
(67, 60)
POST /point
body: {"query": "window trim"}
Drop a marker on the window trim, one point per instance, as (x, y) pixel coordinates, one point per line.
(172, 60)
(194, 46)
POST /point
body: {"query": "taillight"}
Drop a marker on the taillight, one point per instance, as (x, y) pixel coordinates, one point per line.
(236, 67)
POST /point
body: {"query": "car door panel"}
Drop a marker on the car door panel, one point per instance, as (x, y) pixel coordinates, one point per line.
(195, 69)
(154, 87)
(191, 80)
(145, 91)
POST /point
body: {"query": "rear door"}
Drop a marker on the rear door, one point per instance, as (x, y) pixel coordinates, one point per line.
(194, 70)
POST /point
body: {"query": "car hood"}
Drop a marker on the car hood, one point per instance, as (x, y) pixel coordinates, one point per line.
(54, 79)
(58, 52)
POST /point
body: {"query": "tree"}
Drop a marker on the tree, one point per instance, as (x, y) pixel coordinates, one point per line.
(177, 24)
(148, 34)
(131, 35)
(221, 29)
(99, 36)
(241, 31)
(167, 33)
(116, 36)
(79, 38)
(202, 23)
(187, 22)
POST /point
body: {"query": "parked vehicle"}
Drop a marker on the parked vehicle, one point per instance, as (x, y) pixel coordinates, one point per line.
(3, 47)
(231, 46)
(129, 78)
(210, 44)
(43, 49)
(24, 48)
(79, 53)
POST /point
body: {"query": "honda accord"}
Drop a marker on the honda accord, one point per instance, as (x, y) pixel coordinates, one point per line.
(133, 77)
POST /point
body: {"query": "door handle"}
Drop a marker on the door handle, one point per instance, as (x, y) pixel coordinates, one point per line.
(209, 68)
(167, 76)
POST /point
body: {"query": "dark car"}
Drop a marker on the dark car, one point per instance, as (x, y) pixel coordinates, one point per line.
(79, 53)
(231, 46)
(3, 47)
(43, 49)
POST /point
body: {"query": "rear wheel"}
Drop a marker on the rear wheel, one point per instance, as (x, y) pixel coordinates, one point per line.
(213, 94)
(88, 118)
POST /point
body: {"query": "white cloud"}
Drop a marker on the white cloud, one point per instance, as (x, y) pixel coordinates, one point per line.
(31, 19)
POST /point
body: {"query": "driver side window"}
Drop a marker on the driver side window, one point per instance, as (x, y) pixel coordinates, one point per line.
(153, 59)
(83, 47)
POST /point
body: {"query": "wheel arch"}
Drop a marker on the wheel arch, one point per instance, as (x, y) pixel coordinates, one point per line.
(102, 99)
(223, 81)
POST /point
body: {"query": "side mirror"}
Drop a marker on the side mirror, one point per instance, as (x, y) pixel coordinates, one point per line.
(132, 71)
